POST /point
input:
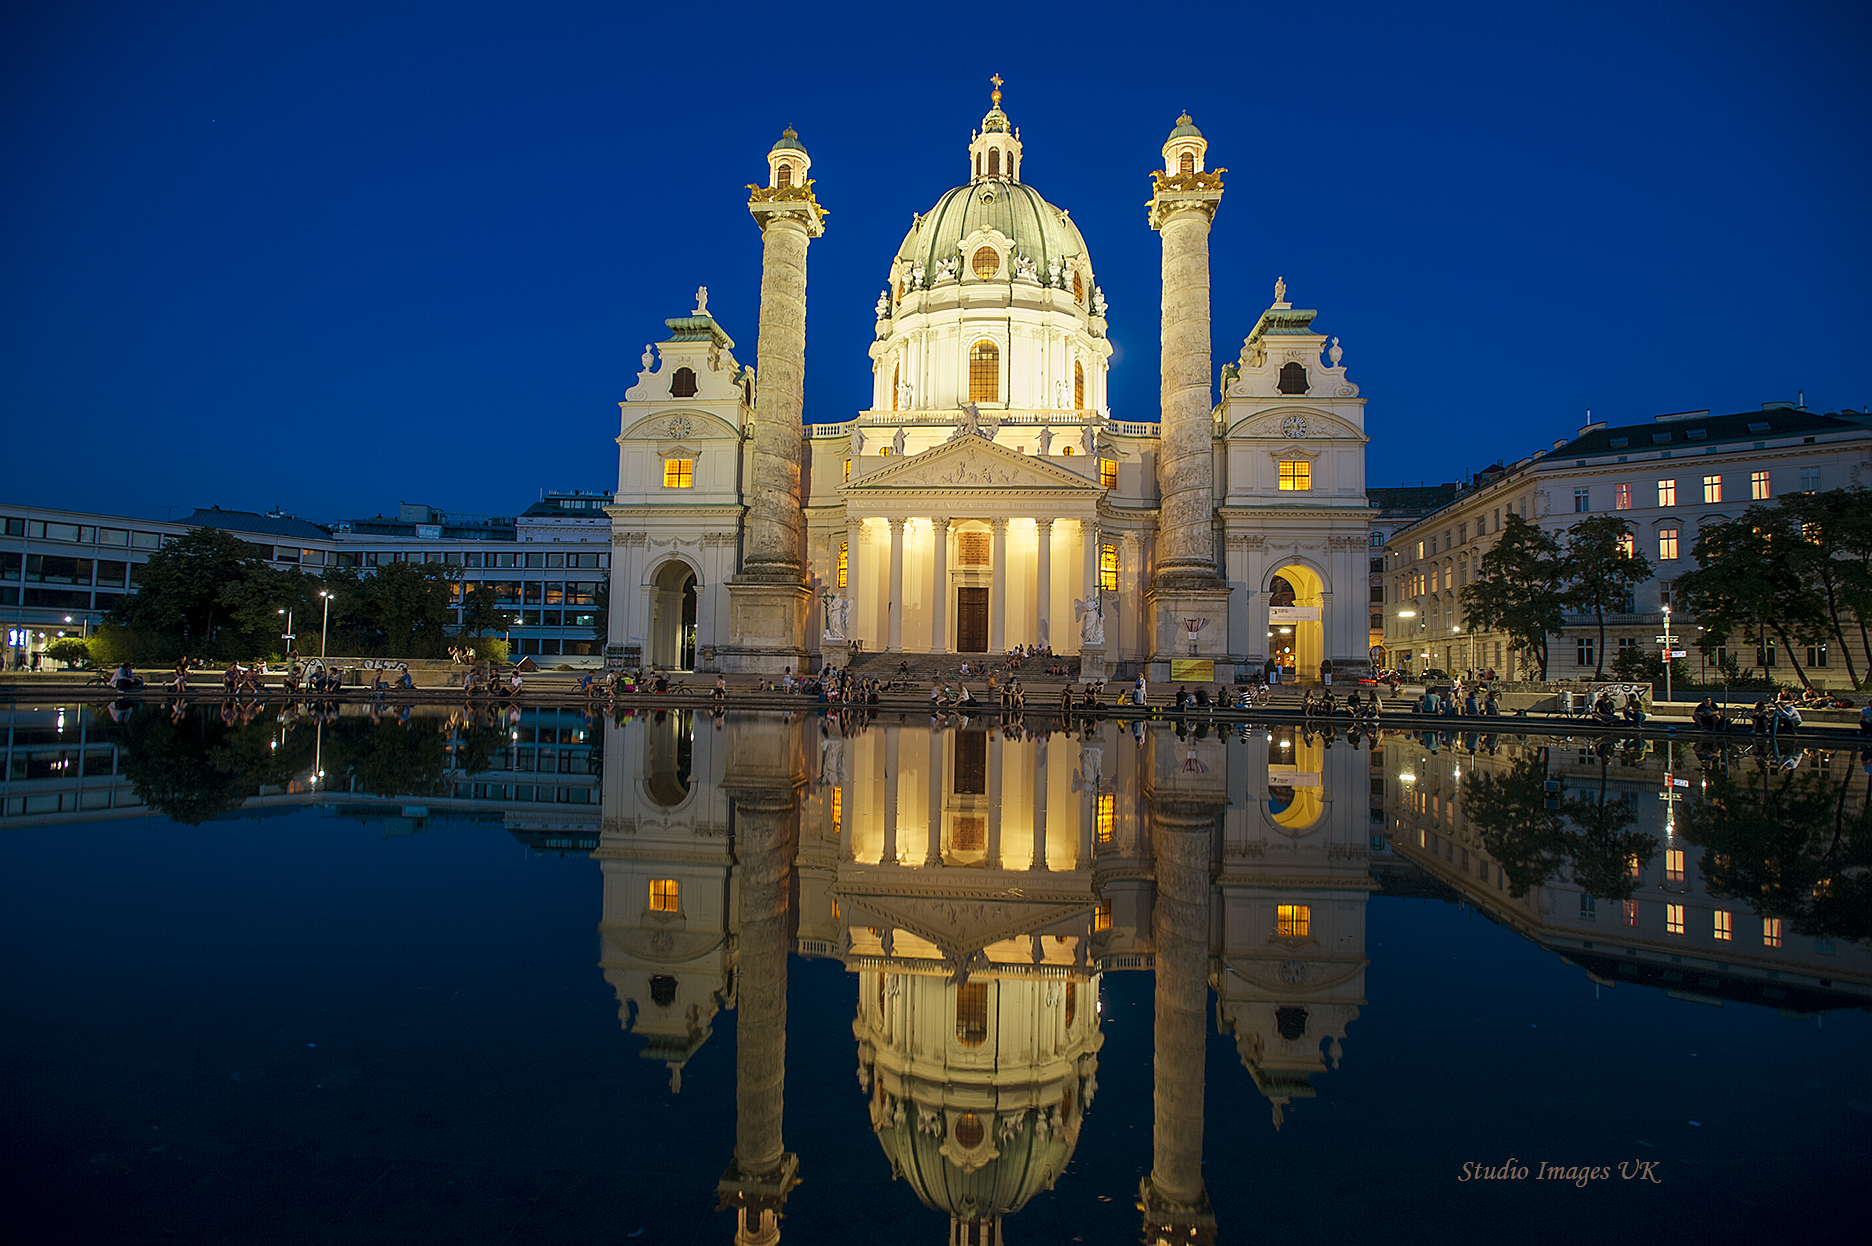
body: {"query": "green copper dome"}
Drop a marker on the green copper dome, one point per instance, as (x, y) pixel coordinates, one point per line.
(1040, 231)
(789, 141)
(1185, 128)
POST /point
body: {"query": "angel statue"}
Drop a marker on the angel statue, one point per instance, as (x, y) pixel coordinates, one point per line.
(1090, 612)
(971, 422)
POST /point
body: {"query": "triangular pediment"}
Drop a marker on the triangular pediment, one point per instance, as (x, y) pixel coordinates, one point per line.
(960, 926)
(970, 463)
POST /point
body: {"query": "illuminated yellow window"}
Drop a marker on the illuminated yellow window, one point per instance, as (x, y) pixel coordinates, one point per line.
(984, 372)
(844, 553)
(784, 175)
(1758, 487)
(1667, 493)
(1107, 816)
(1724, 925)
(1067, 450)
(972, 1013)
(1292, 921)
(838, 809)
(1628, 545)
(1108, 473)
(1108, 568)
(1186, 163)
(884, 452)
(1771, 932)
(679, 473)
(1712, 488)
(1079, 387)
(1072, 1000)
(1631, 912)
(1673, 919)
(1673, 865)
(835, 908)
(847, 471)
(1632, 867)
(1667, 543)
(663, 892)
(1101, 916)
(987, 263)
(895, 374)
(1078, 288)
(1296, 475)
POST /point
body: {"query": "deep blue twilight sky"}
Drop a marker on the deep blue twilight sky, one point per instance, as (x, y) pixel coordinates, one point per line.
(329, 257)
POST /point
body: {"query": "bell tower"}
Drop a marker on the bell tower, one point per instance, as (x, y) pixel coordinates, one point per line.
(995, 149)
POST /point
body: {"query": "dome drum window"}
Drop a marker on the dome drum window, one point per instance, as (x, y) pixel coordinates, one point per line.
(985, 372)
(986, 262)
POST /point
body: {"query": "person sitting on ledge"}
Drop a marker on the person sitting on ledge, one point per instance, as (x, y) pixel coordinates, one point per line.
(1633, 712)
(1706, 717)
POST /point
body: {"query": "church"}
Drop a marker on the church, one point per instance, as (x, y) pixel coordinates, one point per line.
(990, 497)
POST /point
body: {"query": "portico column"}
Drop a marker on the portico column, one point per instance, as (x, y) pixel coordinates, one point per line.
(997, 613)
(1042, 621)
(994, 800)
(939, 618)
(890, 797)
(932, 854)
(895, 644)
(1040, 804)
(1089, 539)
(854, 531)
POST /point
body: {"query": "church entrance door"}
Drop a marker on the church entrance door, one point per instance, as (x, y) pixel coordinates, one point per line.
(971, 620)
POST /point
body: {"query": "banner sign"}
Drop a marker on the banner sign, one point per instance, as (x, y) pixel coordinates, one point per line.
(1293, 614)
(1292, 776)
(1192, 670)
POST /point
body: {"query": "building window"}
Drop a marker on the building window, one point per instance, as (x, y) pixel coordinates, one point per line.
(1810, 479)
(1186, 163)
(984, 372)
(679, 473)
(1067, 451)
(683, 384)
(1108, 473)
(663, 893)
(1583, 648)
(1420, 549)
(1293, 378)
(1712, 488)
(1072, 1000)
(896, 375)
(847, 471)
(1724, 929)
(1758, 486)
(1078, 386)
(1292, 921)
(1108, 568)
(1673, 919)
(987, 262)
(1582, 501)
(1817, 656)
(1628, 545)
(884, 452)
(1078, 288)
(1377, 539)
(1101, 916)
(1622, 496)
(1673, 865)
(1771, 932)
(1107, 816)
(1667, 493)
(1667, 544)
(783, 176)
(1631, 912)
(972, 1014)
(1296, 475)
(838, 809)
(1588, 905)
(844, 554)
(994, 162)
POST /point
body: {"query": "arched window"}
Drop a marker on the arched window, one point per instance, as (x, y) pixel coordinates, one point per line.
(783, 176)
(1078, 288)
(1078, 387)
(662, 990)
(986, 262)
(994, 162)
(896, 372)
(1293, 378)
(683, 384)
(1072, 1000)
(844, 554)
(972, 1014)
(1067, 451)
(985, 372)
(969, 1132)
(977, 164)
(1186, 164)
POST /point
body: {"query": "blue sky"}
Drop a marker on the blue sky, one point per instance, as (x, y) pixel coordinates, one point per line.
(331, 257)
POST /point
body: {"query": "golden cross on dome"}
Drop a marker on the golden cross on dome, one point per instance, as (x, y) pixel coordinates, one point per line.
(996, 95)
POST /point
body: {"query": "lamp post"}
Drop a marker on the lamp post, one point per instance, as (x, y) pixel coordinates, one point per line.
(323, 626)
(289, 636)
(1408, 614)
(1667, 654)
(1458, 628)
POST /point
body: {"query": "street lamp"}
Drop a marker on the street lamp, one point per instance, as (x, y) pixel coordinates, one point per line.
(329, 598)
(1667, 653)
(289, 636)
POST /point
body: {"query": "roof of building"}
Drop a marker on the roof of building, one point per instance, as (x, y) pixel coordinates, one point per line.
(247, 521)
(1411, 499)
(588, 504)
(1040, 231)
(1695, 429)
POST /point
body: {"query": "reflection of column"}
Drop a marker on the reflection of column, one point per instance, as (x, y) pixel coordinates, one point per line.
(890, 797)
(939, 619)
(763, 1171)
(1089, 540)
(932, 854)
(997, 614)
(994, 800)
(895, 643)
(854, 530)
(1175, 1201)
(1044, 590)
(1040, 804)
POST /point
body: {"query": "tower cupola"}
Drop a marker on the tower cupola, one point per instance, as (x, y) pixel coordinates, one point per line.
(1183, 151)
(995, 150)
(787, 162)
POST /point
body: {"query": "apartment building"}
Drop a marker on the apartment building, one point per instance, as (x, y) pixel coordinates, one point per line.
(1669, 479)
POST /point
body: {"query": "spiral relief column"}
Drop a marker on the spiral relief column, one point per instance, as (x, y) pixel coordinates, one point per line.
(767, 601)
(1186, 584)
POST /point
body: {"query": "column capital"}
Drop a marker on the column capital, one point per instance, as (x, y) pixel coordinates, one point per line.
(1182, 192)
(795, 207)
(896, 524)
(999, 525)
(940, 524)
(1045, 525)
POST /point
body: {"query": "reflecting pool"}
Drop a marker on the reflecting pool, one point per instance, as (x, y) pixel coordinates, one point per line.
(540, 975)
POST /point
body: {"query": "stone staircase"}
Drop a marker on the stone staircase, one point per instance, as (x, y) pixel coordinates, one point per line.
(927, 666)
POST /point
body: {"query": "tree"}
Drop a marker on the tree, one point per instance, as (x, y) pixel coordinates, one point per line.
(481, 610)
(69, 650)
(1835, 539)
(254, 602)
(1517, 589)
(1520, 828)
(179, 589)
(1747, 580)
(1602, 566)
(401, 610)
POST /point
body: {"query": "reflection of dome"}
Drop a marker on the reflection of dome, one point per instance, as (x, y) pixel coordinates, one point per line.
(1024, 1156)
(1039, 231)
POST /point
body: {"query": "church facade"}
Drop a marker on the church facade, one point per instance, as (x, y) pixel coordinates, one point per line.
(990, 496)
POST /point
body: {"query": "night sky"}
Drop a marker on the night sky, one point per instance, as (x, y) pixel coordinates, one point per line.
(332, 257)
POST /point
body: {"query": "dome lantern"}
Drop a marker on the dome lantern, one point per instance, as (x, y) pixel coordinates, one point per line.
(995, 150)
(787, 161)
(1183, 151)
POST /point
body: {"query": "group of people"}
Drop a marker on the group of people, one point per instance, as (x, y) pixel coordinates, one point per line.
(1476, 701)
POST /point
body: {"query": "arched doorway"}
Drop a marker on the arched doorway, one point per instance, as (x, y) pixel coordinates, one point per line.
(673, 617)
(1296, 634)
(668, 753)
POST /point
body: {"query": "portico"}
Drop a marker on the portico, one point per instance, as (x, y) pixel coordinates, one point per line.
(968, 547)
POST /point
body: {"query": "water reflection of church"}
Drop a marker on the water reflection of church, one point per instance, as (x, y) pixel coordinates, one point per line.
(976, 884)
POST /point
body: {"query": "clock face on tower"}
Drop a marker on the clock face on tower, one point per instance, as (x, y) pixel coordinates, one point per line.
(1294, 426)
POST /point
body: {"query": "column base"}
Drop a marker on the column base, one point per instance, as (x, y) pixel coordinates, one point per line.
(1166, 605)
(1092, 666)
(766, 627)
(756, 1199)
(1167, 1221)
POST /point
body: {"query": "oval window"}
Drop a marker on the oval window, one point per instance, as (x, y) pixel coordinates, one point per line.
(987, 262)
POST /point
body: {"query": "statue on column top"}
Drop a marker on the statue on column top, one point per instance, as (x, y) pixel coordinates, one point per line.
(1280, 291)
(701, 301)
